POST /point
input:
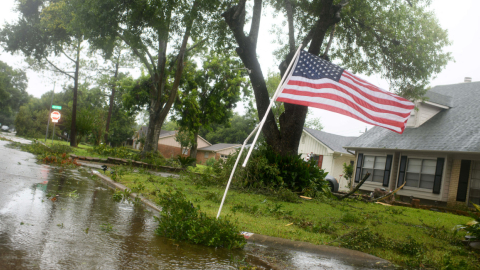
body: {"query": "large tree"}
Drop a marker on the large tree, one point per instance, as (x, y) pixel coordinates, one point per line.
(209, 96)
(401, 40)
(48, 30)
(149, 28)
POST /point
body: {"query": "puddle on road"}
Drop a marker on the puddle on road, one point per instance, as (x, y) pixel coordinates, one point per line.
(84, 228)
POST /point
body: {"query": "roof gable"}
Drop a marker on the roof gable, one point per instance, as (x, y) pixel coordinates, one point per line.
(218, 147)
(332, 141)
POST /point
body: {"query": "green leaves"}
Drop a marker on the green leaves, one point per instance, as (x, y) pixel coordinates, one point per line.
(182, 221)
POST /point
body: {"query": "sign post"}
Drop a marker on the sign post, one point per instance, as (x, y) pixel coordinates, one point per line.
(51, 102)
(55, 117)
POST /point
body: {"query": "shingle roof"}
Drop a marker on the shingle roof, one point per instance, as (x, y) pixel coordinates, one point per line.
(439, 98)
(218, 147)
(456, 129)
(334, 142)
(166, 133)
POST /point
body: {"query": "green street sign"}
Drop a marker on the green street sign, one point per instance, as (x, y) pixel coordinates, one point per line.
(56, 107)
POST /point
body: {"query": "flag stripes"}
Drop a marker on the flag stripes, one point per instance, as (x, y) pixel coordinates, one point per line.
(317, 83)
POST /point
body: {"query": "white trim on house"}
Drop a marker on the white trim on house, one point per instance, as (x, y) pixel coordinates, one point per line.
(436, 105)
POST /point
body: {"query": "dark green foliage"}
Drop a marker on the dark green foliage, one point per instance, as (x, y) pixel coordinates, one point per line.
(236, 131)
(118, 152)
(268, 169)
(210, 162)
(38, 148)
(185, 161)
(182, 221)
(347, 171)
(13, 94)
(286, 195)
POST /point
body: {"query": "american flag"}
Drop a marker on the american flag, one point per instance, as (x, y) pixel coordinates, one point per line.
(318, 83)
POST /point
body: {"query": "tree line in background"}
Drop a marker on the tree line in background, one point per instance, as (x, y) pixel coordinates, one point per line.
(400, 40)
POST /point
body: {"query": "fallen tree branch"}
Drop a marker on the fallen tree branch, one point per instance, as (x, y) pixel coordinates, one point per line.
(356, 188)
(389, 194)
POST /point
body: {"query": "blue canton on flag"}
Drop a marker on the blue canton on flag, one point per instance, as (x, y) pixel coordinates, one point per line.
(314, 67)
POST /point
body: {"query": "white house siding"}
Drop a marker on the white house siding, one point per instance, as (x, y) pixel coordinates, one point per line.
(308, 144)
(338, 169)
(425, 112)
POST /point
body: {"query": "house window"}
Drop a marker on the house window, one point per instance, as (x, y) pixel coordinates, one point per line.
(303, 139)
(205, 154)
(420, 173)
(375, 165)
(184, 151)
(224, 156)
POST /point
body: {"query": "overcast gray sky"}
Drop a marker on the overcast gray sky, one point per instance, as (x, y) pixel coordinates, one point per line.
(460, 19)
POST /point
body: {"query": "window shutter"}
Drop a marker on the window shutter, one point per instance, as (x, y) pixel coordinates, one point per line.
(358, 171)
(388, 167)
(437, 183)
(463, 181)
(320, 161)
(403, 167)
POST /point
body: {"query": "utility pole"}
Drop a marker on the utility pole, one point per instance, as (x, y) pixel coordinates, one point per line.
(51, 103)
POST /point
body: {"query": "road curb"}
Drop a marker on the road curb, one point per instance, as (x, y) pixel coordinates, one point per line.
(114, 185)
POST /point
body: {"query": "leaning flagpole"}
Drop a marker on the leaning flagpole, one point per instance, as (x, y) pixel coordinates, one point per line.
(258, 129)
(233, 170)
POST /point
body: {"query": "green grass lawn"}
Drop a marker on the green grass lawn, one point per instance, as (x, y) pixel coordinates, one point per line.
(411, 238)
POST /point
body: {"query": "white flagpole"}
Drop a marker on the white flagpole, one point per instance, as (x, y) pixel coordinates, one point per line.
(288, 74)
(233, 170)
(258, 129)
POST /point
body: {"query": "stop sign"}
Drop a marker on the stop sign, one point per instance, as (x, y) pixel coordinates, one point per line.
(55, 116)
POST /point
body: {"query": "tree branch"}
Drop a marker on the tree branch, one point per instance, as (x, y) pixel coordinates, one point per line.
(255, 26)
(330, 41)
(58, 69)
(139, 55)
(356, 187)
(291, 29)
(71, 59)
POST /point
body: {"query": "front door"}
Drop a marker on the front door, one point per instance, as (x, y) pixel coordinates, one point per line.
(474, 191)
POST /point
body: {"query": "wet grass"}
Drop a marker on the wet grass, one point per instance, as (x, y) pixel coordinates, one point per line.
(411, 238)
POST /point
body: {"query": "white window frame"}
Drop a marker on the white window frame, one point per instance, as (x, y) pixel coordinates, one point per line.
(420, 173)
(372, 172)
(185, 151)
(205, 154)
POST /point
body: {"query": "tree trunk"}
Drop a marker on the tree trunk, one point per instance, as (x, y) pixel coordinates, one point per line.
(286, 140)
(112, 98)
(73, 128)
(193, 150)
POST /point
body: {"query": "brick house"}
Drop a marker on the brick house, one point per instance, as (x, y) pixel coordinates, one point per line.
(218, 151)
(169, 147)
(438, 155)
(328, 151)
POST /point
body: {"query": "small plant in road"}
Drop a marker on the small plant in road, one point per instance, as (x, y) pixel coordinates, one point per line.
(182, 221)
